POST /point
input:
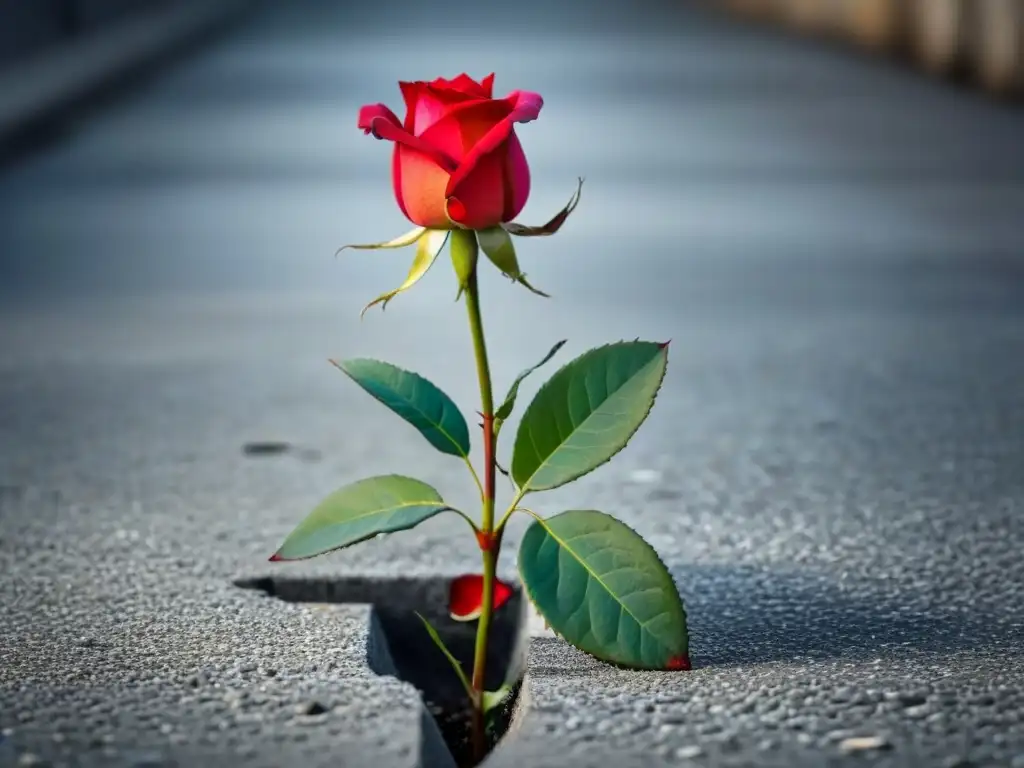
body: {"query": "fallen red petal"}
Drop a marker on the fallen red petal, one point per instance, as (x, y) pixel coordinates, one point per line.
(679, 662)
(465, 596)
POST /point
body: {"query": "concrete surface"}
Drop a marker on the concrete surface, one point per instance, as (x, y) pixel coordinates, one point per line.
(832, 472)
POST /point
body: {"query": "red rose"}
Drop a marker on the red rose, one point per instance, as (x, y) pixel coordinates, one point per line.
(457, 160)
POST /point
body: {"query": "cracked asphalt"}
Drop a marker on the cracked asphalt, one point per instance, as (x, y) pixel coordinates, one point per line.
(833, 471)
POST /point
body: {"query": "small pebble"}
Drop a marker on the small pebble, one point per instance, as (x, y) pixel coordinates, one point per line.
(645, 476)
(689, 752)
(863, 743)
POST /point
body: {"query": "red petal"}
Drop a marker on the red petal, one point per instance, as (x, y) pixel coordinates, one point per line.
(488, 86)
(463, 83)
(380, 121)
(523, 107)
(426, 103)
(465, 596)
(679, 662)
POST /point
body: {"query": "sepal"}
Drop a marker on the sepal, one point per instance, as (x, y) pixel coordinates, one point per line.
(498, 246)
(520, 230)
(429, 246)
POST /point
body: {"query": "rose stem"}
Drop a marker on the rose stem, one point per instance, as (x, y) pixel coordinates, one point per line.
(489, 543)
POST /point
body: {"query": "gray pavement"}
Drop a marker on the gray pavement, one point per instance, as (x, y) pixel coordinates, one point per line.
(832, 472)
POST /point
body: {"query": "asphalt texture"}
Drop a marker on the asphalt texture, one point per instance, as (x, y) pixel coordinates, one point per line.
(833, 470)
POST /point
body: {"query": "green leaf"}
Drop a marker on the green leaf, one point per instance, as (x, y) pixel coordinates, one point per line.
(551, 227)
(448, 655)
(429, 245)
(360, 511)
(496, 698)
(464, 253)
(498, 246)
(604, 589)
(416, 400)
(505, 409)
(586, 413)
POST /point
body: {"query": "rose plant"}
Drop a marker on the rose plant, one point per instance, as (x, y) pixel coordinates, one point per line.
(460, 175)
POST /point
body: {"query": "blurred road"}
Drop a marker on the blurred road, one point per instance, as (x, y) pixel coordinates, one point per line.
(833, 470)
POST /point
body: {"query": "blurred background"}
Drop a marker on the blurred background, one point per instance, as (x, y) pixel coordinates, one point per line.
(820, 202)
(979, 42)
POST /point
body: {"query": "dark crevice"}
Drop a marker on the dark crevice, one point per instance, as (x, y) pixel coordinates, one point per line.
(399, 646)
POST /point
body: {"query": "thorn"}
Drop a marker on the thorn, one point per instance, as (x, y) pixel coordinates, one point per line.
(664, 344)
(275, 558)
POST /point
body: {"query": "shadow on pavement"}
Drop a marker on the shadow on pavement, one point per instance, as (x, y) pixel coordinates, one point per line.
(744, 615)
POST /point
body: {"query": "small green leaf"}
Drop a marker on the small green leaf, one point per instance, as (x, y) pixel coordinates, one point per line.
(496, 698)
(498, 246)
(586, 413)
(604, 589)
(448, 655)
(416, 400)
(399, 242)
(505, 409)
(360, 511)
(464, 253)
(429, 245)
(519, 230)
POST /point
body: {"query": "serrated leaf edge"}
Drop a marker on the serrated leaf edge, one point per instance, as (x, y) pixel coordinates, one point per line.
(444, 432)
(603, 660)
(654, 398)
(442, 507)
